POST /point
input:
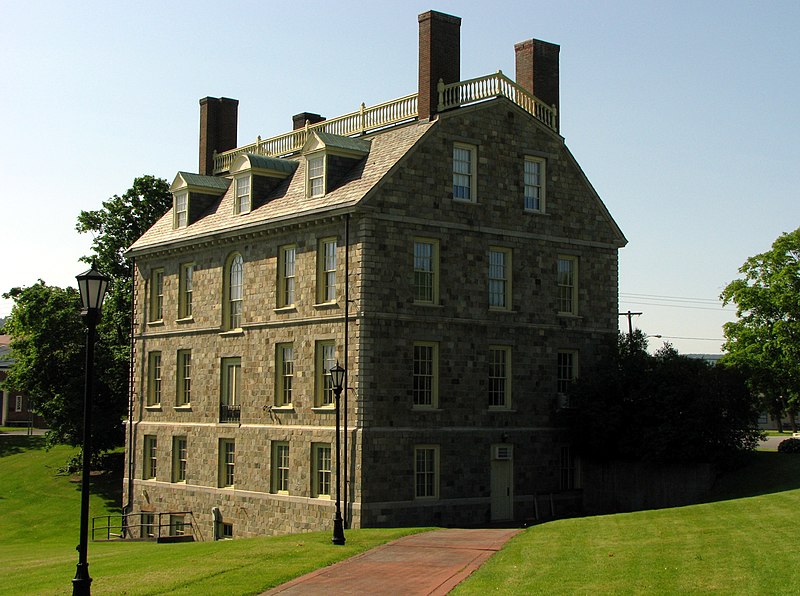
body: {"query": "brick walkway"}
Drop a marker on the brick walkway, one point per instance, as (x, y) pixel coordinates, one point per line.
(421, 564)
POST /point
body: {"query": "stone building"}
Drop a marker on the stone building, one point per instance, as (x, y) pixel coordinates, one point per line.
(444, 247)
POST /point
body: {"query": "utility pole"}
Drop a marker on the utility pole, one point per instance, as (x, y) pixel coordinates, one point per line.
(630, 316)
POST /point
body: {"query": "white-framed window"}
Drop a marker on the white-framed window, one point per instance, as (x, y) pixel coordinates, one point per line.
(464, 162)
(567, 370)
(234, 291)
(184, 377)
(426, 472)
(231, 388)
(315, 183)
(280, 467)
(153, 379)
(321, 470)
(284, 367)
(426, 271)
(18, 403)
(287, 256)
(156, 295)
(499, 377)
(426, 375)
(242, 202)
(179, 458)
(568, 285)
(185, 290)
(150, 467)
(180, 201)
(325, 360)
(534, 184)
(147, 526)
(227, 463)
(500, 278)
(326, 270)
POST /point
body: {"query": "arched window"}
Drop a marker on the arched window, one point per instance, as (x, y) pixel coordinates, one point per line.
(234, 290)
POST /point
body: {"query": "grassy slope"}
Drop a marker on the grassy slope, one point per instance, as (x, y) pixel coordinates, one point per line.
(745, 542)
(40, 518)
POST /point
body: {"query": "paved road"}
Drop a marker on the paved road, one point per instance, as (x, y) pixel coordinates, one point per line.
(430, 563)
(773, 442)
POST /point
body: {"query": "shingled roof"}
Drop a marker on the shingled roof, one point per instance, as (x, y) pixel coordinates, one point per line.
(289, 200)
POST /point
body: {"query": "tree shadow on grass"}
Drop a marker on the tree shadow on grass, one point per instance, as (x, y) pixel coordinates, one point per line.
(107, 483)
(13, 444)
(760, 473)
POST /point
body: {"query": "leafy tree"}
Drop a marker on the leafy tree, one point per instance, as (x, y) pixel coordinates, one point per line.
(48, 335)
(765, 340)
(661, 408)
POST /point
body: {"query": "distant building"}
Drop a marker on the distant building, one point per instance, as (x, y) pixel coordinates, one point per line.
(445, 247)
(15, 407)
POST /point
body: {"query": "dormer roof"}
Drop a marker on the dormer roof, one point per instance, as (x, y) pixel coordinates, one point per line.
(261, 165)
(207, 185)
(336, 145)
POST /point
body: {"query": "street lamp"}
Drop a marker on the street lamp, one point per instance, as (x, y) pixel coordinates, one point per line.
(337, 379)
(92, 285)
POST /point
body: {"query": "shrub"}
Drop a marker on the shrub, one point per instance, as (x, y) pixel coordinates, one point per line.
(789, 446)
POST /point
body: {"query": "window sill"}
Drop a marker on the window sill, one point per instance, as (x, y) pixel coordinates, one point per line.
(428, 304)
(285, 309)
(323, 409)
(466, 201)
(326, 305)
(183, 408)
(232, 332)
(322, 497)
(156, 323)
(154, 408)
(500, 409)
(280, 409)
(568, 315)
(425, 409)
(501, 309)
(184, 320)
(535, 211)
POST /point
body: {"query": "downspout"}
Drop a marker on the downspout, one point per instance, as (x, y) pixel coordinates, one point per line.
(345, 515)
(131, 392)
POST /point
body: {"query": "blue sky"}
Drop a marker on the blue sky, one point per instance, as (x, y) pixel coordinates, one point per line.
(682, 114)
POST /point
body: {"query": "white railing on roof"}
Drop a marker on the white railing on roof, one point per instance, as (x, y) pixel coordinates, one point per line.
(494, 85)
(364, 120)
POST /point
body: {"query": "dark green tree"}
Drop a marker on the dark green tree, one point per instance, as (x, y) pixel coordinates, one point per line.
(764, 341)
(662, 408)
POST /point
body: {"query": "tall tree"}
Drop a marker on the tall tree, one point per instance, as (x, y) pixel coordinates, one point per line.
(765, 340)
(48, 333)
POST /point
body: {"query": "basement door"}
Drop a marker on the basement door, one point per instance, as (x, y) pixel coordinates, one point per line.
(502, 482)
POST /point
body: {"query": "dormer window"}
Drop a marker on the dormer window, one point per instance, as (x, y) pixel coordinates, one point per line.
(316, 176)
(242, 203)
(181, 202)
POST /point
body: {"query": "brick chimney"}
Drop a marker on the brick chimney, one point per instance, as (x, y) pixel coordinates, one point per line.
(299, 120)
(218, 123)
(439, 57)
(537, 70)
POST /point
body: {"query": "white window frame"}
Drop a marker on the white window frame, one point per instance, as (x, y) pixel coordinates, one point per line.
(180, 202)
(426, 472)
(321, 470)
(500, 276)
(227, 463)
(243, 194)
(281, 467)
(324, 360)
(316, 166)
(534, 187)
(287, 275)
(284, 374)
(185, 289)
(567, 280)
(426, 270)
(150, 456)
(425, 375)
(231, 386)
(157, 295)
(566, 370)
(179, 458)
(18, 403)
(499, 377)
(184, 378)
(460, 177)
(234, 291)
(155, 386)
(326, 271)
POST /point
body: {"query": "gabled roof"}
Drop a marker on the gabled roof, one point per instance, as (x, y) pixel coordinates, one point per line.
(319, 140)
(213, 185)
(261, 164)
(288, 200)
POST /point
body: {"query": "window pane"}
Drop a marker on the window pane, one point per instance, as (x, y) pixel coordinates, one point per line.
(236, 291)
(423, 271)
(497, 377)
(423, 375)
(497, 279)
(462, 173)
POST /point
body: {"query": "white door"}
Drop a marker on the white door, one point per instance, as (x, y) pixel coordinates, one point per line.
(501, 482)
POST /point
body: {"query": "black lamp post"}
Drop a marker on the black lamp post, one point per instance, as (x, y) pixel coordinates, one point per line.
(337, 378)
(92, 285)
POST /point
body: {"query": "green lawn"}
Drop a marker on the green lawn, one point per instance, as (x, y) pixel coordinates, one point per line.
(40, 513)
(743, 542)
